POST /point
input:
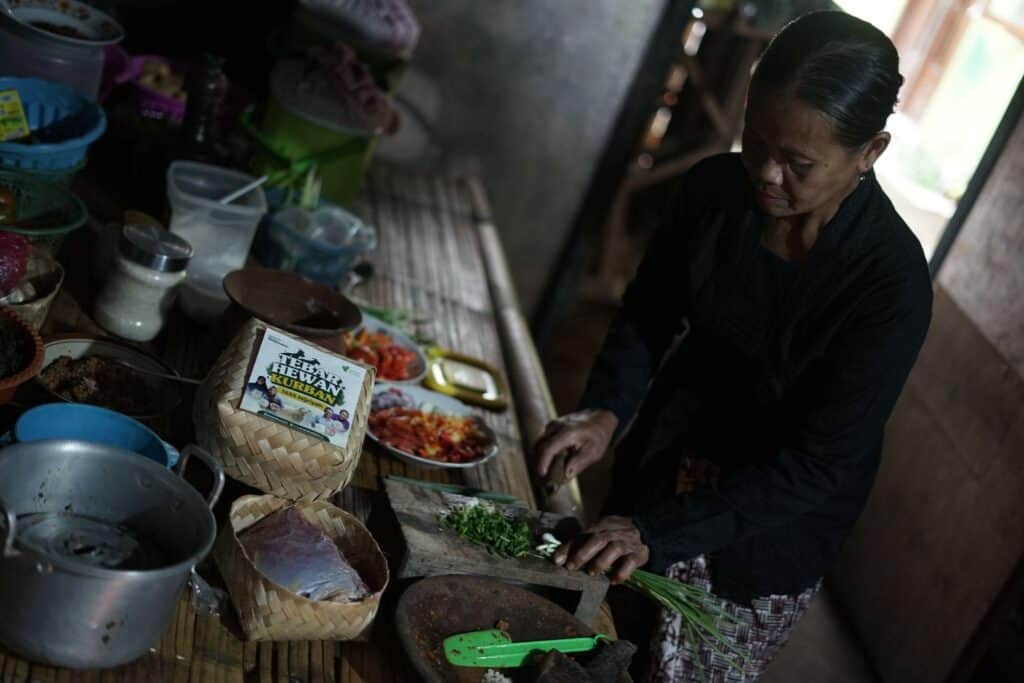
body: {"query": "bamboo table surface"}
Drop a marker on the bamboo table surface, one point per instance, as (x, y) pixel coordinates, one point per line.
(435, 255)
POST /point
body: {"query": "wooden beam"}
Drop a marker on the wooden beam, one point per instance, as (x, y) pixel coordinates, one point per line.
(534, 404)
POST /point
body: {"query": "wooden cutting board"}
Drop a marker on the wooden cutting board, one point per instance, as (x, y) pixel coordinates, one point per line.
(422, 546)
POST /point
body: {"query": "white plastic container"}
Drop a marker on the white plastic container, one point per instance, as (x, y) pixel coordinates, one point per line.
(139, 292)
(220, 234)
(27, 53)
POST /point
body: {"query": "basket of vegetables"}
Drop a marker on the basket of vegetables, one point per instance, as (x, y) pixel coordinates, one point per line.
(21, 353)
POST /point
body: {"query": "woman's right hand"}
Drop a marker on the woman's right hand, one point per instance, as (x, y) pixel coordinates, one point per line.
(586, 435)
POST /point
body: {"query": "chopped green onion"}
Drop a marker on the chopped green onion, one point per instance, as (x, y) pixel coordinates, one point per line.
(485, 526)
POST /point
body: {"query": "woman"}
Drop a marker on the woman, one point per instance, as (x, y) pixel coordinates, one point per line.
(769, 330)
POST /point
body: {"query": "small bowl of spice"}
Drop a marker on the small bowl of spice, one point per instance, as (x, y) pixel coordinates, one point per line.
(21, 353)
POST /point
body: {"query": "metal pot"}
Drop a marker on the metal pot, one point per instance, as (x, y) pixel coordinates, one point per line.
(98, 545)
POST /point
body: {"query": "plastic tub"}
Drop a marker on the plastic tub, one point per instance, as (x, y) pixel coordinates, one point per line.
(81, 422)
(220, 234)
(64, 177)
(345, 155)
(75, 120)
(321, 250)
(26, 52)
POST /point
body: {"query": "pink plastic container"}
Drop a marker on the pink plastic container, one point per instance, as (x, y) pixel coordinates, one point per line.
(124, 69)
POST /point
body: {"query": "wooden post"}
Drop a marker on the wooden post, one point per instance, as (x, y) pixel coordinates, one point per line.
(526, 375)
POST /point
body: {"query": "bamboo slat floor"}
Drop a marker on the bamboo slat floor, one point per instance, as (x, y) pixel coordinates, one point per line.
(428, 259)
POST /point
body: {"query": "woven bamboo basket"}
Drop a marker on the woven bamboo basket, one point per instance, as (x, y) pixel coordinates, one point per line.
(268, 611)
(41, 263)
(260, 452)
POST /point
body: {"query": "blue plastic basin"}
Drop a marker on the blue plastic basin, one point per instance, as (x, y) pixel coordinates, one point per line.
(83, 422)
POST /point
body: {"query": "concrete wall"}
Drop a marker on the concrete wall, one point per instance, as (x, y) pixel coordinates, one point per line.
(943, 533)
(524, 92)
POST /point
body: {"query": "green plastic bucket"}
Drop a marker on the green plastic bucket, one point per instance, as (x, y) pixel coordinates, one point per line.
(294, 138)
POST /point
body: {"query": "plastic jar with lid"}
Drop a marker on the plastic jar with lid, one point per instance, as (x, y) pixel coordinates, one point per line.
(140, 291)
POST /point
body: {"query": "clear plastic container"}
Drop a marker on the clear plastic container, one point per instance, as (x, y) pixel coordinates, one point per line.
(220, 234)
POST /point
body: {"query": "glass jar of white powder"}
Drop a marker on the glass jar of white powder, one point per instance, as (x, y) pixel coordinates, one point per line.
(140, 291)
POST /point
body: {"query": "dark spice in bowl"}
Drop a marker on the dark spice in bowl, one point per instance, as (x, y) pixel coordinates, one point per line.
(97, 381)
(16, 348)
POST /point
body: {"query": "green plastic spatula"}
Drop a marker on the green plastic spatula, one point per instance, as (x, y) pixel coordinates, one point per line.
(493, 648)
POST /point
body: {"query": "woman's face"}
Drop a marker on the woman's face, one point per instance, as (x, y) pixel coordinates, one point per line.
(792, 157)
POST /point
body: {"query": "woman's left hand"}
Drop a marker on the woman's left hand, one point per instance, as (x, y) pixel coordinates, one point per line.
(611, 542)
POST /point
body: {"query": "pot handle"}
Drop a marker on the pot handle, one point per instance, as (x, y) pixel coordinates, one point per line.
(215, 469)
(10, 530)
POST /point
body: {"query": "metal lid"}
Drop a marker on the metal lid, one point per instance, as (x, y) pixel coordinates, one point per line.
(154, 247)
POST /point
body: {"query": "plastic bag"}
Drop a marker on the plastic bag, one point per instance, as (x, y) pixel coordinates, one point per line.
(384, 26)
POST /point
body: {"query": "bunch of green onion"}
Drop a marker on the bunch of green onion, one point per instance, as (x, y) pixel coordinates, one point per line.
(701, 611)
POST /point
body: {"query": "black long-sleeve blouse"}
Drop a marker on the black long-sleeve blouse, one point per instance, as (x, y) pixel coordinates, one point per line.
(785, 379)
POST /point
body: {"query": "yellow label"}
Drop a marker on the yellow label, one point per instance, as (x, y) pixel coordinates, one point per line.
(13, 123)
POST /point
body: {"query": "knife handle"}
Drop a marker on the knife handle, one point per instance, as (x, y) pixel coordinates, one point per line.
(556, 478)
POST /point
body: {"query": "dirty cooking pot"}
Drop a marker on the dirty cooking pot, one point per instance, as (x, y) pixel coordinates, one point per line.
(98, 544)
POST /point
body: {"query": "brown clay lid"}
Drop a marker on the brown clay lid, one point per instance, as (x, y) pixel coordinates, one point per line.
(292, 302)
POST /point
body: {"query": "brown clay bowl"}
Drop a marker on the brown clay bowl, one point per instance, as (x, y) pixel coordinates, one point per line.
(291, 302)
(10, 384)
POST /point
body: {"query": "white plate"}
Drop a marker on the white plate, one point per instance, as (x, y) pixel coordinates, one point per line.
(81, 346)
(419, 369)
(443, 404)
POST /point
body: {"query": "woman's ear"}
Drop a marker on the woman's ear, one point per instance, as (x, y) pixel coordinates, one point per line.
(871, 151)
